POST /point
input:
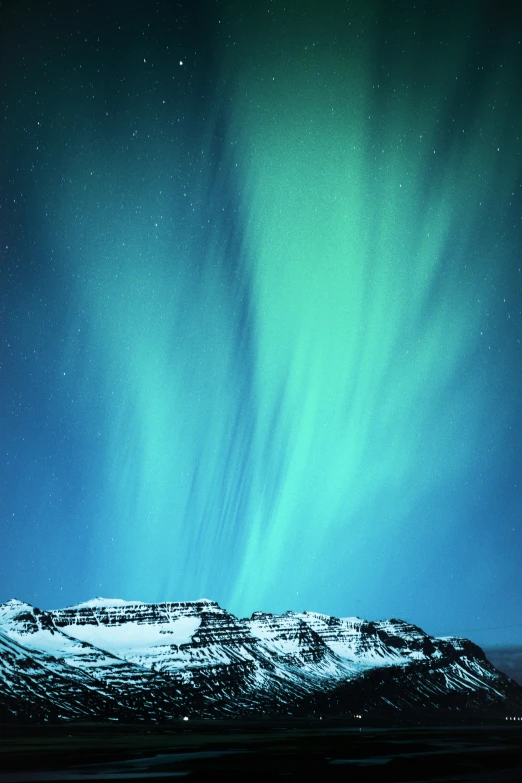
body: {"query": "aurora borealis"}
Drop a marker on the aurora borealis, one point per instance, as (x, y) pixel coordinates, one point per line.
(261, 307)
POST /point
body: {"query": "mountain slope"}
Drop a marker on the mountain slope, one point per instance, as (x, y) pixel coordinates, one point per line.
(135, 661)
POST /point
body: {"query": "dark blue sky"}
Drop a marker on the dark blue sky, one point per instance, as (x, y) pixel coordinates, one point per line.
(260, 308)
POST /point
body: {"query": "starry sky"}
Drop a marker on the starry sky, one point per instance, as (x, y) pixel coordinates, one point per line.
(261, 307)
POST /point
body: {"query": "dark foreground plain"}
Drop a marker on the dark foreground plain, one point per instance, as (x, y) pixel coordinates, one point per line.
(317, 750)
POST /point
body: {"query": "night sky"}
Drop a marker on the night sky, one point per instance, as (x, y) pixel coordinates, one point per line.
(261, 307)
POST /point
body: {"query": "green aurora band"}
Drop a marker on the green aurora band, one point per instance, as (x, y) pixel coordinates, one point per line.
(290, 356)
(378, 204)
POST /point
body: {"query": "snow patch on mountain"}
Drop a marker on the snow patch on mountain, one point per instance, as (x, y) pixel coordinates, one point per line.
(99, 603)
(136, 637)
(13, 608)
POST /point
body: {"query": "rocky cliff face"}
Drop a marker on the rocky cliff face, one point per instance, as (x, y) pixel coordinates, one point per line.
(135, 661)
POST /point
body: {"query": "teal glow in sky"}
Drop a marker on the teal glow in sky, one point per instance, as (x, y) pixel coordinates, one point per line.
(261, 310)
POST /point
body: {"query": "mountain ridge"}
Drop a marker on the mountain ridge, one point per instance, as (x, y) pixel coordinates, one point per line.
(130, 660)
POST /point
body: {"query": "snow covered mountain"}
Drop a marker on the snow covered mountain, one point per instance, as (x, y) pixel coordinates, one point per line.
(136, 661)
